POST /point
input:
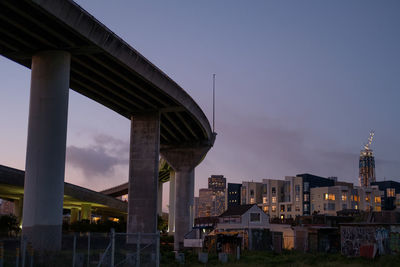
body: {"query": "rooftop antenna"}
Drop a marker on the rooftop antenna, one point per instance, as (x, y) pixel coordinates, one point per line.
(214, 103)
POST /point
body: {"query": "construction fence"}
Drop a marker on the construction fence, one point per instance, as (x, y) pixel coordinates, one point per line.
(86, 249)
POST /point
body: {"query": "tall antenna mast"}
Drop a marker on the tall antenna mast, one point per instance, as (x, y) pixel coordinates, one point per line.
(213, 103)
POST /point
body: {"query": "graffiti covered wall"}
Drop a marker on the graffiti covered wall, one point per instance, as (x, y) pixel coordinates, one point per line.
(384, 238)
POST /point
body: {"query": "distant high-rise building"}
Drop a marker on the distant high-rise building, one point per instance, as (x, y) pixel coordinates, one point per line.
(212, 200)
(367, 164)
(233, 194)
(217, 183)
(205, 203)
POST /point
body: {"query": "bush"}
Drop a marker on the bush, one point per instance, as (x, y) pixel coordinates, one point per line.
(9, 225)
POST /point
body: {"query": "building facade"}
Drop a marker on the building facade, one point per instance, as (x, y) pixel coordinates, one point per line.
(205, 203)
(233, 195)
(217, 183)
(251, 193)
(330, 200)
(391, 194)
(290, 197)
(366, 167)
(212, 200)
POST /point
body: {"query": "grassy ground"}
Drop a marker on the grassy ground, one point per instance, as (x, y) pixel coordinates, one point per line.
(256, 258)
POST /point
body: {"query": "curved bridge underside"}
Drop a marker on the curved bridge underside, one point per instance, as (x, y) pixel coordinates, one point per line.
(103, 67)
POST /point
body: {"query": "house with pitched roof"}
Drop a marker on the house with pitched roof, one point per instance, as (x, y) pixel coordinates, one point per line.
(243, 217)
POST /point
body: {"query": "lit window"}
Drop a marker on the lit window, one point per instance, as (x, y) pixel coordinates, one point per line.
(264, 200)
(329, 196)
(306, 197)
(390, 192)
(265, 208)
(273, 208)
(252, 200)
(274, 200)
(377, 199)
(344, 196)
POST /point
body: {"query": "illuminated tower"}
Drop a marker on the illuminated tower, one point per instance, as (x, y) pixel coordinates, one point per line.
(367, 164)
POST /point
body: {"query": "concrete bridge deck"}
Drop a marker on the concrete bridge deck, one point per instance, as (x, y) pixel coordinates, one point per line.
(103, 66)
(12, 188)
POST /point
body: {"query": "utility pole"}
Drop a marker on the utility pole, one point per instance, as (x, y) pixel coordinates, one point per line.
(213, 103)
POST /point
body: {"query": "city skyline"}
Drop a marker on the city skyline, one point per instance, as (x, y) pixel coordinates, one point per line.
(299, 87)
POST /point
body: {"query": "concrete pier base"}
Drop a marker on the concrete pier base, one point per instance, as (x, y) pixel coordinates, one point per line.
(45, 154)
(143, 173)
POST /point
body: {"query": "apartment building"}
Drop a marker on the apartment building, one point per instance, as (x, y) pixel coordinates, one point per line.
(283, 198)
(290, 197)
(330, 200)
(251, 193)
(391, 198)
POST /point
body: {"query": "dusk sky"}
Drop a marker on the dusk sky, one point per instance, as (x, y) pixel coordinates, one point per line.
(299, 86)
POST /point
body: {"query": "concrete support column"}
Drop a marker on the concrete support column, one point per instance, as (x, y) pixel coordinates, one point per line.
(160, 198)
(183, 161)
(171, 208)
(74, 215)
(184, 180)
(86, 212)
(45, 154)
(143, 173)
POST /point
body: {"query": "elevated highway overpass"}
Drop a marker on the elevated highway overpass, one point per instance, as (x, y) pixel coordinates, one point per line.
(75, 197)
(66, 47)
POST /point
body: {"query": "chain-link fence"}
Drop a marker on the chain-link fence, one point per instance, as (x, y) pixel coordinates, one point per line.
(86, 249)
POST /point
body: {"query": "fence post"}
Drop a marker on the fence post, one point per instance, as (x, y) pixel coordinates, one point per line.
(158, 249)
(138, 251)
(23, 251)
(112, 246)
(17, 258)
(88, 250)
(74, 251)
(1, 254)
(31, 253)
